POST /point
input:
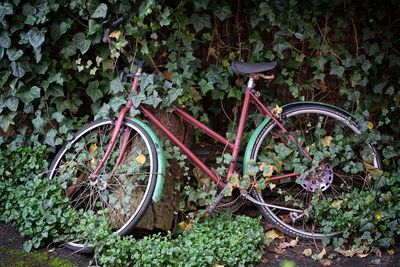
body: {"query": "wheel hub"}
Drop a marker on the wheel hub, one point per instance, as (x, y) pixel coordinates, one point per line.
(320, 180)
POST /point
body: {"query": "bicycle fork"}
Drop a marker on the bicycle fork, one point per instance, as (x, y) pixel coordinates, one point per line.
(118, 125)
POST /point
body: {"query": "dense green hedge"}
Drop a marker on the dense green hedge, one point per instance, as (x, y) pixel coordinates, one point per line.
(53, 60)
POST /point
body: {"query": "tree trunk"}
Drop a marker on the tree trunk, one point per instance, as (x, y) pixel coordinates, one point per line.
(162, 215)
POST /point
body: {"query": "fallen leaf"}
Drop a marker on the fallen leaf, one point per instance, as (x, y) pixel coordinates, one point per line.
(290, 244)
(321, 254)
(336, 204)
(327, 141)
(307, 252)
(378, 253)
(277, 110)
(273, 234)
(370, 125)
(347, 253)
(225, 63)
(115, 34)
(92, 148)
(378, 215)
(141, 159)
(325, 262)
(390, 252)
(362, 255)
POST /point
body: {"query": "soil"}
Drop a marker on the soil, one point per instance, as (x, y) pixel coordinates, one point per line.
(55, 255)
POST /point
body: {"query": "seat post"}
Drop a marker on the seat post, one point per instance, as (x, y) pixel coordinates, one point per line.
(250, 83)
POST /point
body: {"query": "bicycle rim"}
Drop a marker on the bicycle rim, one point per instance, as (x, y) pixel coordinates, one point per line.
(340, 169)
(124, 190)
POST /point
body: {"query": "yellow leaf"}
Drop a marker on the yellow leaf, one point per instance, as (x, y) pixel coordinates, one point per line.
(225, 63)
(141, 159)
(336, 204)
(273, 234)
(321, 254)
(115, 34)
(370, 125)
(327, 141)
(92, 148)
(277, 110)
(219, 265)
(183, 225)
(378, 215)
(269, 169)
(307, 252)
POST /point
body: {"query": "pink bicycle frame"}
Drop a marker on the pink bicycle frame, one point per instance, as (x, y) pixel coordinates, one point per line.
(249, 97)
(234, 147)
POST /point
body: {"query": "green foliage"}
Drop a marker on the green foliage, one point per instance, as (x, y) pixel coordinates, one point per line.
(222, 239)
(34, 204)
(370, 217)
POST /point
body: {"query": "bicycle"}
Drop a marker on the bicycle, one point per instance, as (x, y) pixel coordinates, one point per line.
(119, 165)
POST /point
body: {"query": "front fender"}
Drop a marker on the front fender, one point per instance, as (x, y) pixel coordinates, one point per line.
(160, 158)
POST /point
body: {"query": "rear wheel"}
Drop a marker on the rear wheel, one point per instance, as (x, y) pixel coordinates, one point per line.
(342, 161)
(124, 190)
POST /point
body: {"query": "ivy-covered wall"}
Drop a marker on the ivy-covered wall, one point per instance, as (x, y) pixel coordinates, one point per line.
(56, 74)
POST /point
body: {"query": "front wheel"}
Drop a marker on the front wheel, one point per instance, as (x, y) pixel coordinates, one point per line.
(342, 162)
(123, 187)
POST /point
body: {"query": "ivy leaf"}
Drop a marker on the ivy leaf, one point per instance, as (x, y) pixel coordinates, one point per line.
(100, 12)
(103, 112)
(13, 54)
(12, 103)
(222, 12)
(5, 40)
(18, 70)
(165, 17)
(200, 22)
(36, 37)
(81, 42)
(117, 102)
(116, 86)
(205, 86)
(283, 151)
(201, 4)
(27, 246)
(6, 121)
(336, 70)
(50, 137)
(378, 89)
(58, 116)
(146, 80)
(93, 91)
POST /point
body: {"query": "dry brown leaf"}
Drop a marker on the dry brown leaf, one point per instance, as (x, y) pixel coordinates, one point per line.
(321, 254)
(390, 252)
(378, 253)
(327, 141)
(347, 253)
(307, 252)
(273, 234)
(290, 244)
(325, 262)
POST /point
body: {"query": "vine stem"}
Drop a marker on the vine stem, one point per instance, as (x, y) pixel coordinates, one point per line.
(355, 36)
